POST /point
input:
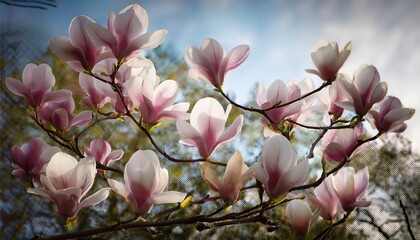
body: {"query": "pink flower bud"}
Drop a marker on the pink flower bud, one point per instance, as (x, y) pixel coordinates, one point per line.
(338, 143)
(300, 216)
(101, 151)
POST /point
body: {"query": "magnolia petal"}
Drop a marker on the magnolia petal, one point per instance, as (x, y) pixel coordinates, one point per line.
(235, 57)
(63, 48)
(17, 87)
(39, 192)
(83, 175)
(119, 188)
(60, 164)
(60, 119)
(210, 176)
(192, 136)
(361, 181)
(278, 155)
(81, 119)
(146, 41)
(169, 197)
(232, 131)
(94, 199)
(208, 118)
(162, 181)
(131, 22)
(233, 172)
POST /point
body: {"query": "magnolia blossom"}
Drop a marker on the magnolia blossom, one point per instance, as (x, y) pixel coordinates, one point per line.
(210, 64)
(338, 144)
(326, 199)
(67, 181)
(235, 176)
(363, 91)
(78, 50)
(145, 183)
(156, 103)
(58, 109)
(31, 158)
(278, 171)
(391, 116)
(300, 216)
(350, 187)
(328, 59)
(206, 130)
(98, 93)
(101, 151)
(127, 33)
(278, 93)
(37, 81)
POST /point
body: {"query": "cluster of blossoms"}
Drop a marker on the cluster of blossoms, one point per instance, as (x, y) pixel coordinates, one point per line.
(113, 75)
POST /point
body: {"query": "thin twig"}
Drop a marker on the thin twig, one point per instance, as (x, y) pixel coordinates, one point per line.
(407, 221)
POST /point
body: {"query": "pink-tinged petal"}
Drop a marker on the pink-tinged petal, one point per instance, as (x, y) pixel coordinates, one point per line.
(234, 170)
(61, 95)
(259, 172)
(379, 92)
(141, 172)
(162, 181)
(277, 92)
(208, 117)
(20, 173)
(169, 197)
(210, 176)
(58, 169)
(235, 57)
(60, 119)
(100, 36)
(313, 71)
(46, 182)
(63, 48)
(81, 119)
(119, 188)
(398, 115)
(261, 94)
(192, 136)
(99, 149)
(27, 74)
(352, 94)
(232, 131)
(213, 52)
(362, 204)
(78, 34)
(39, 192)
(201, 74)
(278, 155)
(361, 181)
(67, 201)
(42, 78)
(365, 79)
(17, 87)
(176, 111)
(18, 157)
(94, 199)
(165, 94)
(146, 41)
(299, 214)
(114, 155)
(344, 53)
(83, 175)
(131, 22)
(298, 173)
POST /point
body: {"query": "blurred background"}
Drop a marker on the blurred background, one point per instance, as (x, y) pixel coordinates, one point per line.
(281, 35)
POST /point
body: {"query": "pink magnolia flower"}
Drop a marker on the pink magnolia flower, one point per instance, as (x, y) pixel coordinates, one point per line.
(328, 59)
(145, 183)
(278, 92)
(36, 82)
(58, 109)
(338, 143)
(350, 187)
(391, 116)
(325, 199)
(363, 91)
(278, 171)
(156, 103)
(210, 64)
(31, 158)
(127, 33)
(98, 93)
(101, 151)
(300, 216)
(234, 178)
(206, 130)
(78, 50)
(67, 181)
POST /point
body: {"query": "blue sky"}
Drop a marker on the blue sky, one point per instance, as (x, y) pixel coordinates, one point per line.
(280, 33)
